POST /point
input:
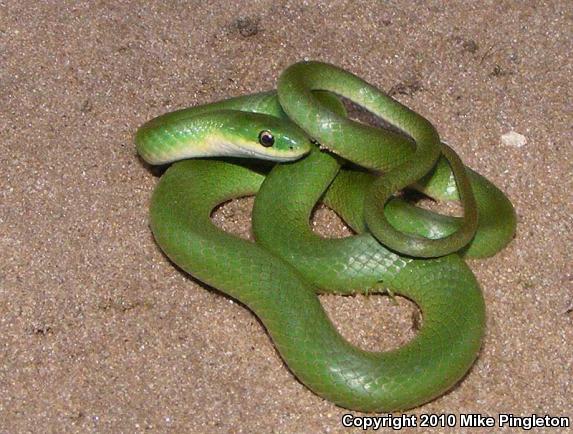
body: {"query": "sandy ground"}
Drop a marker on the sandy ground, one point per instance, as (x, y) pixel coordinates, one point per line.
(99, 332)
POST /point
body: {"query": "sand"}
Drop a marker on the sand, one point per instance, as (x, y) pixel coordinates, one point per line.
(99, 332)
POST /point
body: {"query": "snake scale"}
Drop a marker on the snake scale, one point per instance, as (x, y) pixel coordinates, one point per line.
(320, 154)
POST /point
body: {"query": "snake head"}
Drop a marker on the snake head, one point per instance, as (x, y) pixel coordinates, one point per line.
(270, 138)
(222, 133)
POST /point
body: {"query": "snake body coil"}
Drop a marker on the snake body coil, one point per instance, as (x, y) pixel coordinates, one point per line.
(280, 275)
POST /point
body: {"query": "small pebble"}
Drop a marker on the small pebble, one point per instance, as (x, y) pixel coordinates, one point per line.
(514, 139)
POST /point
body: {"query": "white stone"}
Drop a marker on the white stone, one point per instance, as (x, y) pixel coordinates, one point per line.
(514, 139)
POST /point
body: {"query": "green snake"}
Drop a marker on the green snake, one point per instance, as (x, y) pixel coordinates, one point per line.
(398, 247)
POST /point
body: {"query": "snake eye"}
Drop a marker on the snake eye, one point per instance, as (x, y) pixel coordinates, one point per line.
(266, 138)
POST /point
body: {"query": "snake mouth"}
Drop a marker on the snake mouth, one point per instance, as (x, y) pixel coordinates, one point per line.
(279, 156)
